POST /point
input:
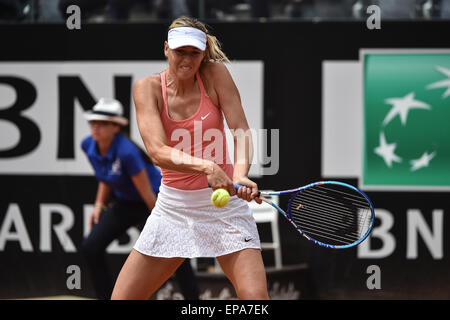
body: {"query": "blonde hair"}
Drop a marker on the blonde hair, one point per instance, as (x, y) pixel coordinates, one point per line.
(213, 50)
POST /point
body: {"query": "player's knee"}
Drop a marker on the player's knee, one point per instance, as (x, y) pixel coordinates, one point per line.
(254, 293)
(116, 295)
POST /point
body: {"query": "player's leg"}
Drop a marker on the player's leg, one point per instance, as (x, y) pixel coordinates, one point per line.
(245, 270)
(142, 275)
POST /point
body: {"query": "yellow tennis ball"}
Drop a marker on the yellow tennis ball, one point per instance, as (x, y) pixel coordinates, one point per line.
(220, 198)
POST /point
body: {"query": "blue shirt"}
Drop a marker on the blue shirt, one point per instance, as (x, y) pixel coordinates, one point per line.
(123, 160)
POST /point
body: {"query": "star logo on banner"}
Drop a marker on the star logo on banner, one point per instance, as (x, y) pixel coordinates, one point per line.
(406, 143)
(401, 107)
(422, 162)
(386, 151)
(443, 83)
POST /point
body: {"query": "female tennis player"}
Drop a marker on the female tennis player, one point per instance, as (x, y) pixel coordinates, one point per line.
(128, 176)
(186, 101)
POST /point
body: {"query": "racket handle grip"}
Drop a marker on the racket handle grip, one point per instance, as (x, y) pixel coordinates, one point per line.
(237, 186)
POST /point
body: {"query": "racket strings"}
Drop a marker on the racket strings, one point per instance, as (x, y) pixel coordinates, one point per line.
(311, 216)
(327, 231)
(332, 211)
(324, 237)
(354, 202)
(324, 232)
(331, 215)
(348, 201)
(320, 234)
(345, 194)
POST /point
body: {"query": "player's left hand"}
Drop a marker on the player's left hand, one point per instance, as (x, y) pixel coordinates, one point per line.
(249, 189)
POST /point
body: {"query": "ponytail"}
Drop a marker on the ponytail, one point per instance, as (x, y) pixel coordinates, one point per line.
(213, 50)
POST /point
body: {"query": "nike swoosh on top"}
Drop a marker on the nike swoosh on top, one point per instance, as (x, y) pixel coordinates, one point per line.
(204, 117)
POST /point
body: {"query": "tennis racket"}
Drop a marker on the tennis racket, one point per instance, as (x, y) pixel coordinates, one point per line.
(329, 213)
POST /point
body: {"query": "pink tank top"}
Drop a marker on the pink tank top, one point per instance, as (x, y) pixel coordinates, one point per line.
(202, 135)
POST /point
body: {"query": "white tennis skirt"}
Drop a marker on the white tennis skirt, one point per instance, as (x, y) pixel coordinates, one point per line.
(185, 224)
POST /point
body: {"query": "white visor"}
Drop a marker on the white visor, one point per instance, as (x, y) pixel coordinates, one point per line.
(186, 36)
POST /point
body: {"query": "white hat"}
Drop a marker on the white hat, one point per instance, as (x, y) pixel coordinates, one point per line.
(107, 109)
(186, 36)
